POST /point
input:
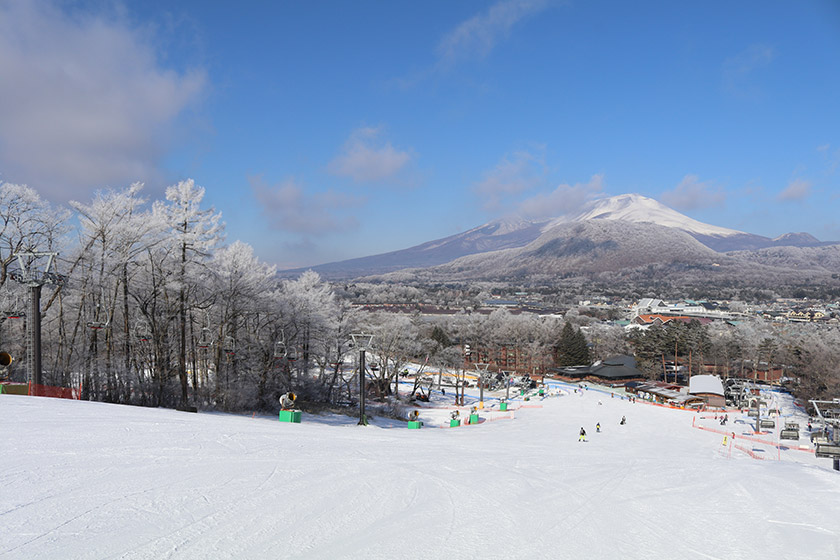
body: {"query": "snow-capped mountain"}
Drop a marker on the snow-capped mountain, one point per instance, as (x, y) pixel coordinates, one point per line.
(641, 209)
(636, 208)
(585, 247)
(514, 233)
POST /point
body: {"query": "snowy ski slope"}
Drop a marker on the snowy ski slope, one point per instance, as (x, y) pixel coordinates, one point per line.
(90, 480)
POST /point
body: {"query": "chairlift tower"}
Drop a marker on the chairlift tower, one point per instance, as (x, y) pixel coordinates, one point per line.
(363, 342)
(829, 449)
(482, 376)
(34, 280)
(506, 375)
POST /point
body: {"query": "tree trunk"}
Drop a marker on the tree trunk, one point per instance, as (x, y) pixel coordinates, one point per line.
(182, 330)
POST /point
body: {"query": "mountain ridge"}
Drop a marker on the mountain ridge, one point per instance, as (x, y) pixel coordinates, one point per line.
(517, 233)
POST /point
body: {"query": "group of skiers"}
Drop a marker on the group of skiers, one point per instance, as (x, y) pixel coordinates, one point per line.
(582, 436)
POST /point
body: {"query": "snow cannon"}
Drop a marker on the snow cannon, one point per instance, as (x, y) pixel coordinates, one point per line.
(473, 416)
(287, 400)
(503, 405)
(454, 419)
(287, 411)
(414, 422)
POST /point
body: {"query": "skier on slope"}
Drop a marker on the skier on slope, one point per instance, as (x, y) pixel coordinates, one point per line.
(598, 427)
(623, 420)
(582, 434)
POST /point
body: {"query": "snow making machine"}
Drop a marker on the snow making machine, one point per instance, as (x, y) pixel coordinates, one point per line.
(288, 412)
(414, 422)
(473, 416)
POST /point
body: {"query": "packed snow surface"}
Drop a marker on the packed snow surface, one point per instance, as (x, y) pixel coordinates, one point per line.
(91, 480)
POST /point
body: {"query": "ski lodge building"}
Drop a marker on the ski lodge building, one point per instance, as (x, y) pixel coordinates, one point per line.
(709, 388)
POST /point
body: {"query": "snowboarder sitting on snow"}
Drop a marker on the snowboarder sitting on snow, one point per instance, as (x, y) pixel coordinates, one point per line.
(287, 400)
(582, 434)
(623, 420)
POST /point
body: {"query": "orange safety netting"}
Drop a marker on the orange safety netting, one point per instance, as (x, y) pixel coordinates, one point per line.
(55, 392)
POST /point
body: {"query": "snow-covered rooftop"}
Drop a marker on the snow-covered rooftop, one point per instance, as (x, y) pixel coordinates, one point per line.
(710, 384)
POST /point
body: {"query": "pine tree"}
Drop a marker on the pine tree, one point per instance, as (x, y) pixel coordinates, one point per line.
(572, 348)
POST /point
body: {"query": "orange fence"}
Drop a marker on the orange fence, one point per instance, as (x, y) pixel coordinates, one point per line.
(55, 392)
(35, 390)
(753, 439)
(748, 452)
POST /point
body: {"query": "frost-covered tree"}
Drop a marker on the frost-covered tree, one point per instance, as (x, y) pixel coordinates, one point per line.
(308, 307)
(114, 231)
(242, 288)
(337, 344)
(607, 340)
(27, 223)
(396, 342)
(193, 233)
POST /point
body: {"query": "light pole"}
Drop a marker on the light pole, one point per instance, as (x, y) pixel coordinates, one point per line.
(362, 341)
(482, 373)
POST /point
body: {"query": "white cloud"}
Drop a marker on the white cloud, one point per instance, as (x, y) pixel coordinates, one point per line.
(289, 208)
(514, 174)
(798, 189)
(364, 159)
(477, 36)
(831, 158)
(739, 69)
(563, 200)
(84, 102)
(693, 194)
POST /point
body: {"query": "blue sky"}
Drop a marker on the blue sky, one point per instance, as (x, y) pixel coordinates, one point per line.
(330, 130)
